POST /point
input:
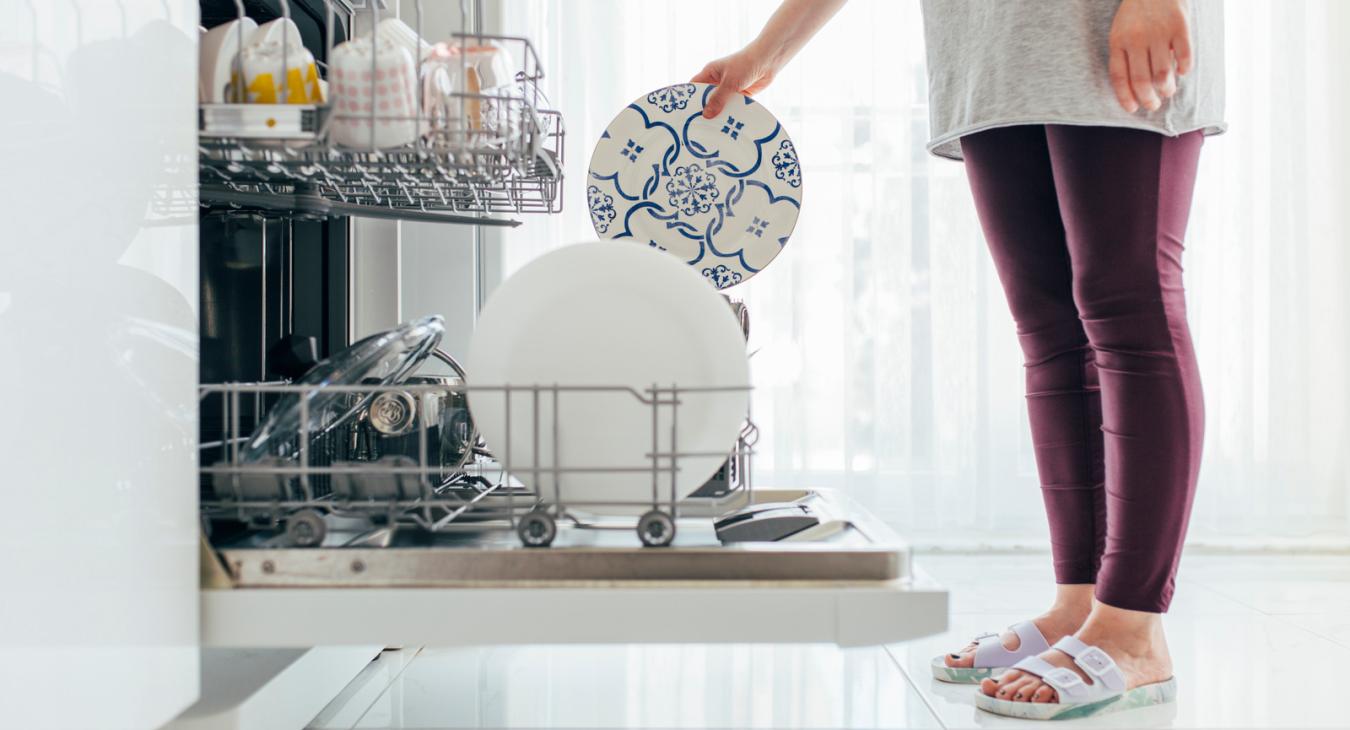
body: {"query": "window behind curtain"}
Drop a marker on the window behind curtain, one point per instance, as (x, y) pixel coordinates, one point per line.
(888, 364)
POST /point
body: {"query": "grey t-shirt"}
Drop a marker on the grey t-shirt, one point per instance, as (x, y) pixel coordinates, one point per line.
(996, 63)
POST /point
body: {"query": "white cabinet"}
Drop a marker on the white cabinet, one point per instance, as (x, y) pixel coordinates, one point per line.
(98, 362)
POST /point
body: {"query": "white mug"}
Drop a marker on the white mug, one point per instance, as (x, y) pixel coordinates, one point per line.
(265, 83)
(374, 104)
(400, 33)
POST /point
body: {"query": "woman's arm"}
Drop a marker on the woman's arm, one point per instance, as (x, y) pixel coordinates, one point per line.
(1150, 47)
(752, 68)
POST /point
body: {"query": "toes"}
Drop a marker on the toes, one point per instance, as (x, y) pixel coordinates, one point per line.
(1045, 694)
(1008, 690)
(962, 659)
(1021, 690)
(992, 685)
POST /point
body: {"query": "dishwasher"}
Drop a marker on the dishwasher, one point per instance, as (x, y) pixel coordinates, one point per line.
(392, 523)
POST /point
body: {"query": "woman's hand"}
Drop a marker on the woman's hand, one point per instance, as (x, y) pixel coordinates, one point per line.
(1150, 48)
(752, 68)
(747, 71)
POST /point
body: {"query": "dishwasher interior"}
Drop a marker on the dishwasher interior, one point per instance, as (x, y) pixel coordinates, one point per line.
(384, 483)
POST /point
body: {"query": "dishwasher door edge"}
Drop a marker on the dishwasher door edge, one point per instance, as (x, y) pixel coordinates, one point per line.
(849, 614)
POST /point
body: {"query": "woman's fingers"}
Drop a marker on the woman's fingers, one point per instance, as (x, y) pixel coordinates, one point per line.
(1150, 48)
(1160, 61)
(744, 72)
(759, 85)
(1181, 48)
(1141, 78)
(720, 95)
(711, 74)
(1119, 71)
(715, 73)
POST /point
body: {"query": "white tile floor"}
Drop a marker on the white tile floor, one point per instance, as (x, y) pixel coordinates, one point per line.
(1257, 642)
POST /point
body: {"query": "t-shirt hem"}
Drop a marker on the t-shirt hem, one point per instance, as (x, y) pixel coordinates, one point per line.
(948, 145)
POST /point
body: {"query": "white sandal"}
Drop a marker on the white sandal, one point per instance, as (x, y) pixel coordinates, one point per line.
(991, 657)
(1078, 699)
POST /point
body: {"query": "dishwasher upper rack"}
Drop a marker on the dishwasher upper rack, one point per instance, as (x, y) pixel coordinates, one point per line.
(495, 150)
(298, 494)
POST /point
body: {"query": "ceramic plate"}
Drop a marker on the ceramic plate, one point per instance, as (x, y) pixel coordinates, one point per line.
(607, 313)
(721, 194)
(216, 53)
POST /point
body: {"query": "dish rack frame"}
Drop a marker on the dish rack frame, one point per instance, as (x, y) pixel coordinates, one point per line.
(493, 151)
(481, 494)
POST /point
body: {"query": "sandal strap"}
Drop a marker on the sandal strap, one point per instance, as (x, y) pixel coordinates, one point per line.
(1095, 663)
(1106, 678)
(1066, 682)
(990, 652)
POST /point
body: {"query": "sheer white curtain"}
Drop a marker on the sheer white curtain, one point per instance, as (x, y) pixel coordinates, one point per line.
(889, 366)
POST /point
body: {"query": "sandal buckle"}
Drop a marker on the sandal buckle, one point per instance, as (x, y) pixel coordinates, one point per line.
(1095, 662)
(1065, 678)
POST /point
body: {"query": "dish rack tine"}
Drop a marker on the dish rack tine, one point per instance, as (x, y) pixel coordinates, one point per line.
(557, 486)
(674, 448)
(656, 447)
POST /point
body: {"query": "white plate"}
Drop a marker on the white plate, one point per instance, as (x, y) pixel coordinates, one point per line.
(721, 194)
(216, 53)
(607, 314)
(279, 30)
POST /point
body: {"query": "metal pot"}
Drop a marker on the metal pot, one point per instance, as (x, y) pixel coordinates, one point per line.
(390, 423)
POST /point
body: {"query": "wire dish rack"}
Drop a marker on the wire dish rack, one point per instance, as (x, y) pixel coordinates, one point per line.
(473, 151)
(321, 480)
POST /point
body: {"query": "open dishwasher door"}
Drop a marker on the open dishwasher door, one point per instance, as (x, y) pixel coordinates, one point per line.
(853, 584)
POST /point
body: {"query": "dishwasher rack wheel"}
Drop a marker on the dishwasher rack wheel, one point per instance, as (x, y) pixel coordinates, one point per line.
(656, 529)
(537, 529)
(306, 528)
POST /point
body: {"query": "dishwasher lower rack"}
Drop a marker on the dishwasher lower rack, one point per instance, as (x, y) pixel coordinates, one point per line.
(331, 479)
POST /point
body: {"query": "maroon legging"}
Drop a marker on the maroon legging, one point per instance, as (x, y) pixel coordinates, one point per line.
(1085, 225)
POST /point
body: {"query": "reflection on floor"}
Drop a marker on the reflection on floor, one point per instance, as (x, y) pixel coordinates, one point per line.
(1257, 642)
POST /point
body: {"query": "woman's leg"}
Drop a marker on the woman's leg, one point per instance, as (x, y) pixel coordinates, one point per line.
(1013, 183)
(1014, 188)
(1124, 196)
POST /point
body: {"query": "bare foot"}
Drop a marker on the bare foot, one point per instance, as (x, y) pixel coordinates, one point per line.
(1072, 605)
(1134, 639)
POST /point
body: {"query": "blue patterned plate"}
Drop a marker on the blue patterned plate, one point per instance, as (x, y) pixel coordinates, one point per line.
(722, 194)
